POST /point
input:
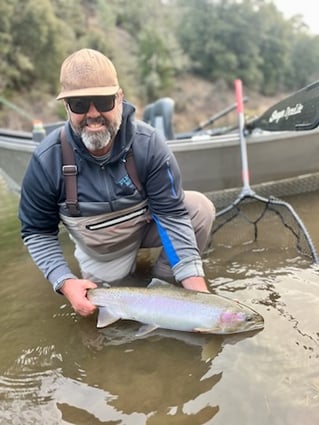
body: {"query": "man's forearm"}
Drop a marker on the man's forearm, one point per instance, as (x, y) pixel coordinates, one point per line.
(47, 254)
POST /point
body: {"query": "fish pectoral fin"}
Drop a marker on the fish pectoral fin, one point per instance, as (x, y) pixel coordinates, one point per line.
(105, 318)
(146, 329)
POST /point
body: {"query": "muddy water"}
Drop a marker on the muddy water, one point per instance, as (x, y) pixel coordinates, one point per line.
(57, 368)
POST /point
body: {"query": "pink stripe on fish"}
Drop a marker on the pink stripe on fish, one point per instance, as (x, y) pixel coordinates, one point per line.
(228, 317)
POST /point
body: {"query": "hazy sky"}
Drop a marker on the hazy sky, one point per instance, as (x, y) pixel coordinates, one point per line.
(307, 8)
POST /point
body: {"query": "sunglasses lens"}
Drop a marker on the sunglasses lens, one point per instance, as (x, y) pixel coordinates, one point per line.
(81, 105)
(104, 103)
(78, 105)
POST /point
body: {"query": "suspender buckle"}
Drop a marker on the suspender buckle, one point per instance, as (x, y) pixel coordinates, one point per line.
(69, 170)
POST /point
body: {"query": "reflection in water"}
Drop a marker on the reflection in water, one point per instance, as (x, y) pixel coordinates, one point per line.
(58, 369)
(128, 383)
(156, 375)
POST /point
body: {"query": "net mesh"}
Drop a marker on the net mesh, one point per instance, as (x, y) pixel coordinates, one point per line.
(247, 222)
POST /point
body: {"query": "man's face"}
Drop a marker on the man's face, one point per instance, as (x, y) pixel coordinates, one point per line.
(96, 128)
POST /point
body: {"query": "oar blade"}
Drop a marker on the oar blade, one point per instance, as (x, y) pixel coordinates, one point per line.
(299, 111)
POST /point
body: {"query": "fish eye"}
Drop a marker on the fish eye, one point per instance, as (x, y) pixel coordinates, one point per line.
(249, 318)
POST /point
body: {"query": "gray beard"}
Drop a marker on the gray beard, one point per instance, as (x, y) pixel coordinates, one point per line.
(96, 141)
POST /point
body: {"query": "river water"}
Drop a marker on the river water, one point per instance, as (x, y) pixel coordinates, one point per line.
(57, 368)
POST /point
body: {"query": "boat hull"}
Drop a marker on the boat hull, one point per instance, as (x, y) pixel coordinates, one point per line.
(215, 164)
(208, 164)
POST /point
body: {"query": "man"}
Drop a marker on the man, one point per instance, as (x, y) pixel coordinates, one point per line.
(112, 218)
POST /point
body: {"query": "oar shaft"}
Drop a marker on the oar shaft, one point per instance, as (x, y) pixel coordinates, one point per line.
(220, 114)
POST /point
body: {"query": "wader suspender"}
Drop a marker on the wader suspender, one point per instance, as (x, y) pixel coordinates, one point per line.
(69, 171)
(132, 171)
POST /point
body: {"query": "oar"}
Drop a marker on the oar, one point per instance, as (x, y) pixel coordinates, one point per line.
(16, 108)
(215, 117)
(299, 111)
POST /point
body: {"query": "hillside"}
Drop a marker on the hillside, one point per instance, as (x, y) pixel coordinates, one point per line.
(152, 50)
(196, 100)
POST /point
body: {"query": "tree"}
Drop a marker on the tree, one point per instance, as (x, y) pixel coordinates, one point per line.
(6, 43)
(155, 40)
(155, 65)
(37, 45)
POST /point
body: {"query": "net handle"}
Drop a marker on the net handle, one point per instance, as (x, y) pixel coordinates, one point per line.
(245, 175)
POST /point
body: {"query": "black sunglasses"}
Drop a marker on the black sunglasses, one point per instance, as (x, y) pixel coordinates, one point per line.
(81, 105)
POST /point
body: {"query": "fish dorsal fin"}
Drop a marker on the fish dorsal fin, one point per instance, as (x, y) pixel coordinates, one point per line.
(156, 283)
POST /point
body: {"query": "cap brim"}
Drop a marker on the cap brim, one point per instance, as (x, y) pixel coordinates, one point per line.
(92, 91)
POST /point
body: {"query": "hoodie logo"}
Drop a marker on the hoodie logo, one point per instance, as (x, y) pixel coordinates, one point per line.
(126, 182)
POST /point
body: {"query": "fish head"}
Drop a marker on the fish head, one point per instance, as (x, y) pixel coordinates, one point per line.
(240, 319)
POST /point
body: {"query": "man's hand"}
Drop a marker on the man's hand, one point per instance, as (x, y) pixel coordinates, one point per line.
(75, 291)
(195, 283)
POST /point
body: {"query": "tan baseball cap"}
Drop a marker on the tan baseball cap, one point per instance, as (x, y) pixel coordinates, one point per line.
(87, 72)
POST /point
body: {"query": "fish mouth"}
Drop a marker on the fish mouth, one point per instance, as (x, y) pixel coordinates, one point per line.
(257, 326)
(253, 326)
(253, 319)
(254, 322)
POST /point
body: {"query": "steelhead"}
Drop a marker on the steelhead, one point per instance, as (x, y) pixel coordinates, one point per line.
(162, 305)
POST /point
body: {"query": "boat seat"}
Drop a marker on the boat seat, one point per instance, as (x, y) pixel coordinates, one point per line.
(159, 115)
